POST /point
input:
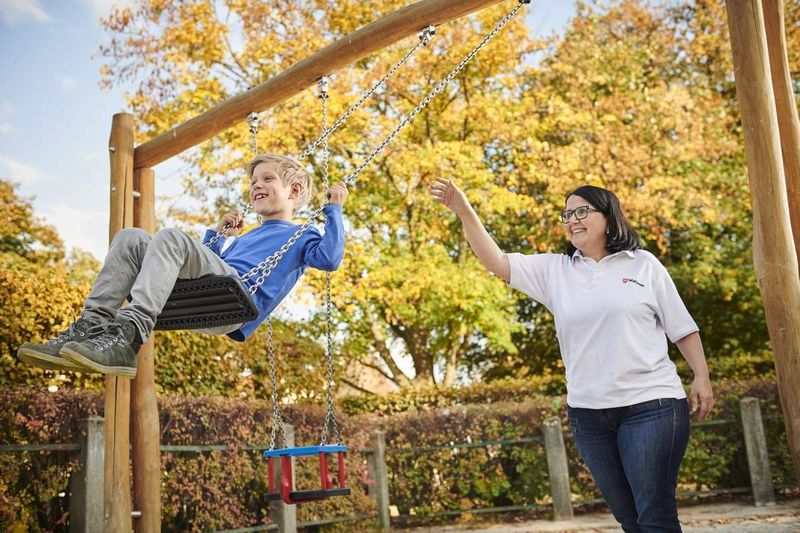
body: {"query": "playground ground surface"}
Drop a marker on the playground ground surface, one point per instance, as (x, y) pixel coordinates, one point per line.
(732, 516)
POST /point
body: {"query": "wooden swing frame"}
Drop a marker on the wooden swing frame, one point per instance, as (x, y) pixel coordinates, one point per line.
(131, 414)
(768, 115)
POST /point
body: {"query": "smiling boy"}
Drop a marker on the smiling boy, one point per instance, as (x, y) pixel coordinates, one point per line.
(107, 336)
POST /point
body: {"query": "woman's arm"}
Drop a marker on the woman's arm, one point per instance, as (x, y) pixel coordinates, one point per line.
(490, 255)
(701, 397)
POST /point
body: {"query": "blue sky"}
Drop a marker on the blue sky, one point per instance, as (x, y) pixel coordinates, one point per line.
(55, 120)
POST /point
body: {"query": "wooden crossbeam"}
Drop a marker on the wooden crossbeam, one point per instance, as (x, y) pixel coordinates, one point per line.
(376, 36)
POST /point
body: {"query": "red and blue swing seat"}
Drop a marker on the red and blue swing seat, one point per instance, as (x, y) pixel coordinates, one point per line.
(328, 486)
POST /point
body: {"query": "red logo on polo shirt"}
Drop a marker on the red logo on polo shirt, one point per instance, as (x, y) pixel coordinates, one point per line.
(631, 280)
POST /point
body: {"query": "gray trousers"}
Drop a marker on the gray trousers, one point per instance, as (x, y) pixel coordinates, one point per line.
(146, 267)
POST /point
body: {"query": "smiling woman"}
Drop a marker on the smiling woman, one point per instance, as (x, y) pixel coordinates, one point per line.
(614, 306)
(595, 224)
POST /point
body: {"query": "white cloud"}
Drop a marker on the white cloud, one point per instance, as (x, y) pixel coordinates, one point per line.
(101, 8)
(17, 11)
(5, 127)
(79, 228)
(20, 172)
(66, 83)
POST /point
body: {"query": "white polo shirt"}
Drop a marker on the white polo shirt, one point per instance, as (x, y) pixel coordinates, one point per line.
(612, 319)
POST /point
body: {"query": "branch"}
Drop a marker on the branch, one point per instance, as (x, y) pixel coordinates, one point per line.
(378, 369)
(232, 73)
(357, 387)
(386, 355)
(243, 74)
(383, 164)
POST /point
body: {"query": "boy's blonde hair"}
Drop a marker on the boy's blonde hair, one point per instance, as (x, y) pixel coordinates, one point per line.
(290, 171)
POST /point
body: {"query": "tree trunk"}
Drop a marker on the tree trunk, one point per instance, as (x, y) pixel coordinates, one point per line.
(774, 255)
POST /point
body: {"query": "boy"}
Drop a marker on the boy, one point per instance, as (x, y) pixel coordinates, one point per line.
(107, 336)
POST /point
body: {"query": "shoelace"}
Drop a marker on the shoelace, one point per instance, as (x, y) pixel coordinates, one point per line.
(68, 334)
(108, 335)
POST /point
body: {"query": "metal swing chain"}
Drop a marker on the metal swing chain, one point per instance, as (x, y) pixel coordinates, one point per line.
(322, 84)
(253, 121)
(277, 417)
(424, 38)
(330, 415)
(266, 266)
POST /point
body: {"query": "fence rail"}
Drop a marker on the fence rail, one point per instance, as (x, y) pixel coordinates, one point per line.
(86, 508)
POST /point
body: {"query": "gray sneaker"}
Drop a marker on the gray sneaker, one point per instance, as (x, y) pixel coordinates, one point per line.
(109, 348)
(46, 355)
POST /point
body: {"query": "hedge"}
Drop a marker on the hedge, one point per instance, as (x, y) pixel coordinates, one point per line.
(212, 491)
(434, 397)
(206, 491)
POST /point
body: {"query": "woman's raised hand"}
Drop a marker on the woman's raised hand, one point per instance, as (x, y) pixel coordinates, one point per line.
(449, 195)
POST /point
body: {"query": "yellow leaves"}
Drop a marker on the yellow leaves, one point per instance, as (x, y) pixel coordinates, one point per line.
(22, 233)
(621, 101)
(37, 302)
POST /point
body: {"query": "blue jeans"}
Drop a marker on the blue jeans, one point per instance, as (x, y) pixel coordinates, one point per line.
(634, 454)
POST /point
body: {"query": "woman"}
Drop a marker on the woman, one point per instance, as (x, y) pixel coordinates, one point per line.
(614, 306)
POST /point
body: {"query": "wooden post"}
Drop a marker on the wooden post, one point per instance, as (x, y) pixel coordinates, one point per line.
(144, 408)
(86, 502)
(774, 255)
(117, 486)
(757, 456)
(379, 490)
(285, 516)
(787, 111)
(557, 468)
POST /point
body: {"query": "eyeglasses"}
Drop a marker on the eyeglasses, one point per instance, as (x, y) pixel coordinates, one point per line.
(579, 212)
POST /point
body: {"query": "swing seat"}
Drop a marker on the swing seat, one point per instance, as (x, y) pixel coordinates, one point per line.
(328, 488)
(207, 302)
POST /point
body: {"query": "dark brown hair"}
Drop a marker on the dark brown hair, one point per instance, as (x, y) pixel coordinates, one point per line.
(621, 236)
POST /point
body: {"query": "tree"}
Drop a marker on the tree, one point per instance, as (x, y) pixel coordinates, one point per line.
(192, 364)
(40, 293)
(23, 234)
(424, 317)
(624, 100)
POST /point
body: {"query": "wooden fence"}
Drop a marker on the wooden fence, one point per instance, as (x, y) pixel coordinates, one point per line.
(86, 486)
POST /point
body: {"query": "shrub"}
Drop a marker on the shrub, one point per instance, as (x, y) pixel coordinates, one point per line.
(200, 491)
(500, 460)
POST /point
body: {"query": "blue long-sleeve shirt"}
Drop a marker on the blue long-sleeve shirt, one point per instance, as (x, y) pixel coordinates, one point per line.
(312, 249)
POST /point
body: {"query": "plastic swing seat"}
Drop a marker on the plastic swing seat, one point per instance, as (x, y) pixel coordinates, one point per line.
(328, 488)
(207, 302)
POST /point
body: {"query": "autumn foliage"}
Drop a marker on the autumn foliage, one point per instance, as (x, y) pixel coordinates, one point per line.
(633, 97)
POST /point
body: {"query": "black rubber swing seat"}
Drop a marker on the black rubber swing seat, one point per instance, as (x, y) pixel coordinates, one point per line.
(313, 495)
(207, 302)
(299, 496)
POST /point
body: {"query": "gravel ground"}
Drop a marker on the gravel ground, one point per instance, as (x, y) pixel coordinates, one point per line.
(784, 517)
